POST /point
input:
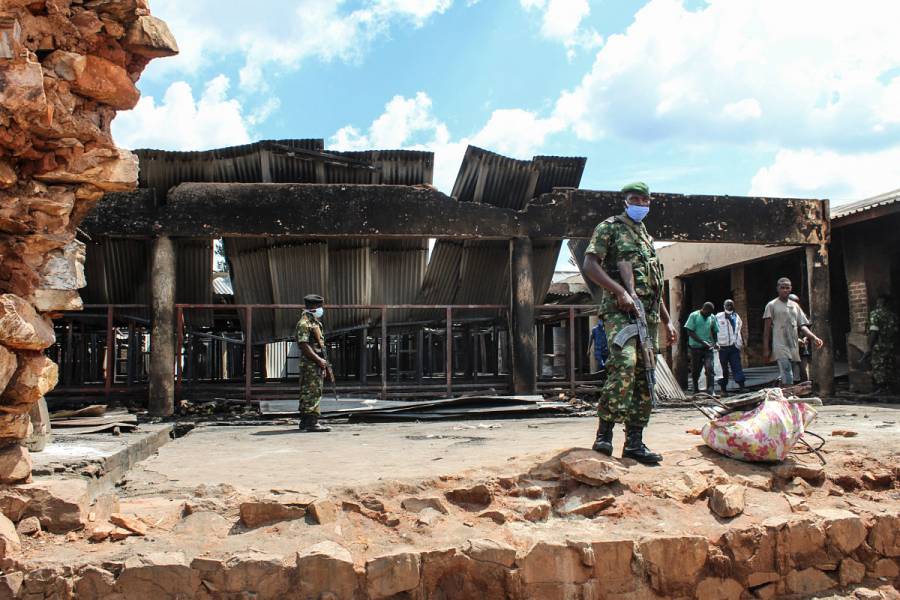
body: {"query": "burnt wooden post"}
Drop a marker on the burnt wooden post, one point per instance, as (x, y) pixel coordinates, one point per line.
(822, 363)
(162, 333)
(524, 346)
(679, 349)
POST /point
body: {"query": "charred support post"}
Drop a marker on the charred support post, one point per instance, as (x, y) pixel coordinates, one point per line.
(822, 364)
(524, 347)
(679, 350)
(162, 339)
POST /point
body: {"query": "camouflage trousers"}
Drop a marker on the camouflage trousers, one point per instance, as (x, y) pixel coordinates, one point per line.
(626, 396)
(310, 387)
(883, 369)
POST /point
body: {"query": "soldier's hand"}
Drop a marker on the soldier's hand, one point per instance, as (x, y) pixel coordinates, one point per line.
(626, 302)
(671, 334)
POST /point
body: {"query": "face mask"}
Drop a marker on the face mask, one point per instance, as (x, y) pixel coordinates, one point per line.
(318, 312)
(728, 312)
(636, 213)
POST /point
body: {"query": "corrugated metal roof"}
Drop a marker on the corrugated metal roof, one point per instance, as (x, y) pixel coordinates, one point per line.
(456, 273)
(163, 169)
(348, 272)
(193, 283)
(860, 206)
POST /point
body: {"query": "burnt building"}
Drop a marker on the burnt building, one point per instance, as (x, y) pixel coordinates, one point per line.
(864, 257)
(290, 217)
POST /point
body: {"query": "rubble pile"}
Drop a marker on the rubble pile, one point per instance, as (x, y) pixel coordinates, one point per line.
(66, 67)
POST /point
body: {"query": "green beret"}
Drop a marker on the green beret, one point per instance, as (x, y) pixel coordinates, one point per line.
(313, 299)
(638, 187)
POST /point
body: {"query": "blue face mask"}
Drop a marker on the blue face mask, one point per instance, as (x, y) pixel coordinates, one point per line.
(636, 213)
(318, 312)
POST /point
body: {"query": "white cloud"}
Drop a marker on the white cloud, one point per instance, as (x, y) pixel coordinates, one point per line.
(181, 122)
(410, 123)
(516, 132)
(278, 35)
(829, 174)
(805, 73)
(561, 20)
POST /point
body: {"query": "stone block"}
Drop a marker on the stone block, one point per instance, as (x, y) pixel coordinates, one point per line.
(61, 505)
(15, 464)
(35, 375)
(553, 563)
(491, 551)
(150, 37)
(674, 563)
(326, 568)
(884, 537)
(808, 581)
(727, 501)
(389, 575)
(586, 467)
(21, 328)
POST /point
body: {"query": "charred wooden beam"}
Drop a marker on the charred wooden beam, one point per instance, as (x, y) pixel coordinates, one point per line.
(573, 214)
(389, 211)
(314, 210)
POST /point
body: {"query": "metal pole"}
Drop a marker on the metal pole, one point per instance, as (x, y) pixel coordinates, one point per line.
(248, 353)
(384, 353)
(572, 350)
(449, 352)
(110, 353)
(179, 348)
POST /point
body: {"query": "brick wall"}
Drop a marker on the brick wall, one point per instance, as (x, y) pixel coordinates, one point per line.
(859, 305)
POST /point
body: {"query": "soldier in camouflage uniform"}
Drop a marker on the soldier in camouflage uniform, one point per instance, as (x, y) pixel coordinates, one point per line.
(313, 365)
(882, 345)
(626, 396)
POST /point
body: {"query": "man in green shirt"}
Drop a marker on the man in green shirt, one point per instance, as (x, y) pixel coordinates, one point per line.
(702, 330)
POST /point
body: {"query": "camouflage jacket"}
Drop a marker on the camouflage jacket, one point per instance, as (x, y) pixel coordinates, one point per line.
(884, 321)
(309, 330)
(617, 239)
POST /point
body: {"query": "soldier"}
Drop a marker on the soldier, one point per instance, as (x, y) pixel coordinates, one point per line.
(882, 344)
(626, 395)
(313, 365)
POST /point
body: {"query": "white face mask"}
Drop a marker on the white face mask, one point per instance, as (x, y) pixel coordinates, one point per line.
(728, 311)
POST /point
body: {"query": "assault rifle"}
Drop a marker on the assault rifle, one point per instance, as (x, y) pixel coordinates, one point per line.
(638, 328)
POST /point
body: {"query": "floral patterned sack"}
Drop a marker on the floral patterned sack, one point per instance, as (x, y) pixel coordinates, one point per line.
(767, 432)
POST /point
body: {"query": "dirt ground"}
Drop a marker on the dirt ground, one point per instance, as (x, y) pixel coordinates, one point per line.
(278, 456)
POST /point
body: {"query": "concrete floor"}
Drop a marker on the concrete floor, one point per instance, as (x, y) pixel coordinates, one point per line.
(279, 457)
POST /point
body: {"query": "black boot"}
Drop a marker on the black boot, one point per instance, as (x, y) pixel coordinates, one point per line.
(310, 423)
(603, 443)
(635, 448)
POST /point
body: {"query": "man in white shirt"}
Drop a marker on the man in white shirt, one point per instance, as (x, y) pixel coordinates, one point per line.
(730, 344)
(783, 320)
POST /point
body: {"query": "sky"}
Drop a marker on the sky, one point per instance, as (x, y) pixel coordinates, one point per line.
(771, 97)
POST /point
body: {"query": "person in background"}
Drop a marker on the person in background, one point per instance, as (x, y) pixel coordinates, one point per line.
(805, 347)
(782, 321)
(600, 344)
(703, 331)
(731, 342)
(882, 345)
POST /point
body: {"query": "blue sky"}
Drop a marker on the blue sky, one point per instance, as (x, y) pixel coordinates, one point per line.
(798, 98)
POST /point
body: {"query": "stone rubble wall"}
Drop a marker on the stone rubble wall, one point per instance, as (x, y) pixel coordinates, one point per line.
(66, 67)
(796, 557)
